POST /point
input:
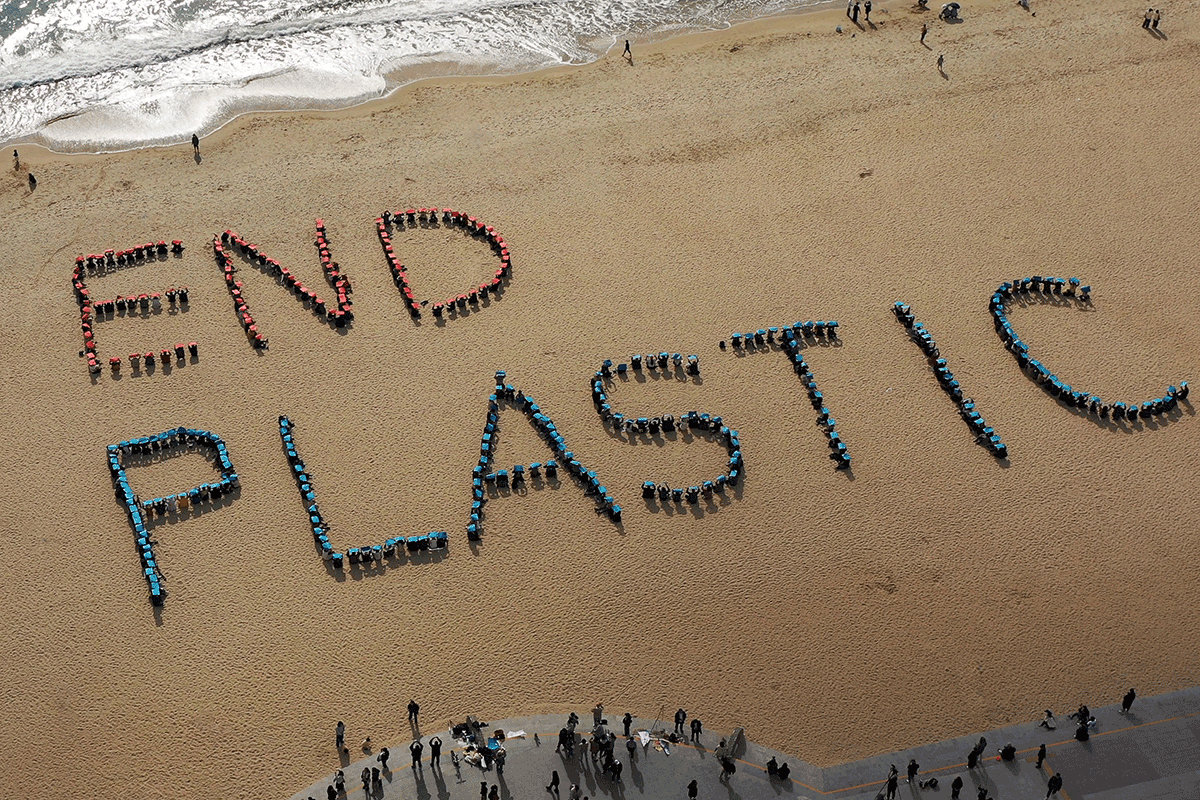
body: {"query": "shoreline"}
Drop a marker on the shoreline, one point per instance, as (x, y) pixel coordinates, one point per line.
(771, 24)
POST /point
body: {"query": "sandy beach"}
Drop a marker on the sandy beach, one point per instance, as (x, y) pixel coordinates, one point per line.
(725, 181)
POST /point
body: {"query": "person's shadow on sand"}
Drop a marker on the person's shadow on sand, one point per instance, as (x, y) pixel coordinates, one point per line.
(196, 157)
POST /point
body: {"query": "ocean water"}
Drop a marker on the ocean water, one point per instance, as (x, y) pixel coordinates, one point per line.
(100, 75)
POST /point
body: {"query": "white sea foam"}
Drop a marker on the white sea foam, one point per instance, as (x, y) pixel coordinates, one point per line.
(114, 74)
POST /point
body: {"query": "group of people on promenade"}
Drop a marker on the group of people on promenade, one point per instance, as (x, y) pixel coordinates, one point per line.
(1085, 721)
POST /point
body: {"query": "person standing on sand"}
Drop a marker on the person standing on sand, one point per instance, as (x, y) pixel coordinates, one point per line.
(854, 16)
(867, 8)
(1146, 20)
(195, 144)
(849, 8)
(628, 52)
(924, 30)
(941, 61)
(339, 736)
(413, 711)
(1157, 17)
(32, 182)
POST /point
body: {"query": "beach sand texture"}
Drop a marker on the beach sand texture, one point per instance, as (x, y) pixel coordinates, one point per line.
(726, 181)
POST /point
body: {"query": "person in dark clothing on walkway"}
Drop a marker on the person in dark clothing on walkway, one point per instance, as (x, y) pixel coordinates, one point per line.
(1008, 752)
(413, 710)
(1054, 785)
(784, 771)
(366, 779)
(415, 748)
(553, 785)
(693, 790)
(483, 790)
(913, 769)
(1127, 701)
(1081, 733)
(982, 793)
(627, 720)
(955, 787)
(384, 755)
(680, 718)
(435, 752)
(697, 727)
(1041, 755)
(772, 767)
(893, 780)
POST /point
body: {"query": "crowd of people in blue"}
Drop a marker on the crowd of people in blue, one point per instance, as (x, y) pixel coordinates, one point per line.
(142, 512)
(966, 406)
(664, 364)
(1084, 401)
(793, 338)
(483, 476)
(93, 311)
(428, 218)
(392, 548)
(340, 313)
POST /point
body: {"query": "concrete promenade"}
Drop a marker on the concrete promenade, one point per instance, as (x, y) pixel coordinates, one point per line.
(1152, 753)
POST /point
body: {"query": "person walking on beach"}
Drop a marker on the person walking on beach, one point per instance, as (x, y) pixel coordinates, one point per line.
(956, 787)
(553, 785)
(1146, 20)
(1041, 756)
(1054, 785)
(893, 780)
(854, 15)
(413, 710)
(924, 30)
(628, 54)
(680, 718)
(913, 769)
(867, 8)
(1127, 701)
(435, 752)
(32, 182)
(941, 61)
(195, 144)
(693, 790)
(1157, 17)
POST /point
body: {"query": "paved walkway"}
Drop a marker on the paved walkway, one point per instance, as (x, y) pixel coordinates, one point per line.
(1153, 753)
